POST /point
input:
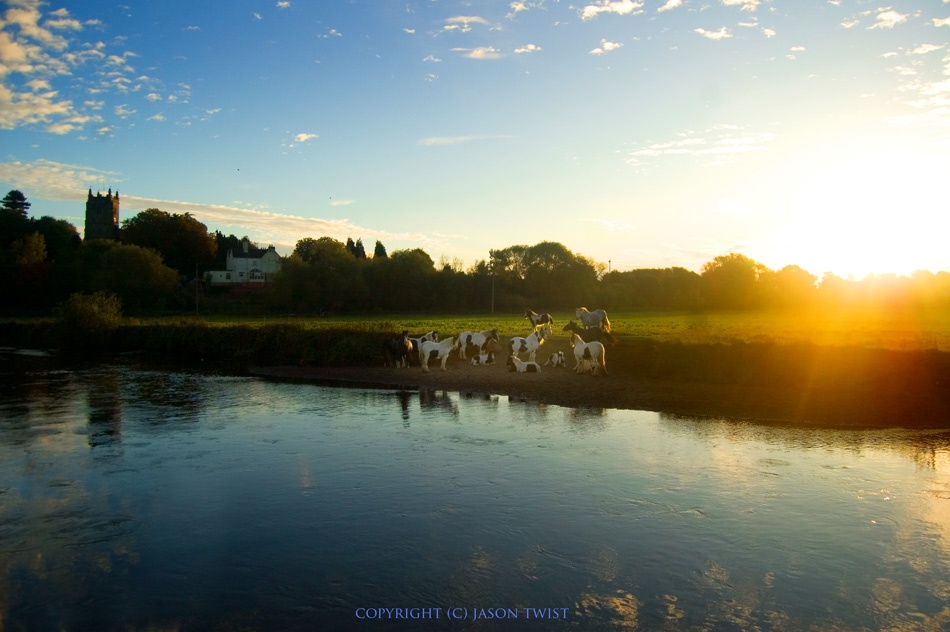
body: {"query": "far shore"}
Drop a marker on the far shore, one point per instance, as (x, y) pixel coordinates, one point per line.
(828, 388)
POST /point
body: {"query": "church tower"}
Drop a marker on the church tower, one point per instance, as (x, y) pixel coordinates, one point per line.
(102, 216)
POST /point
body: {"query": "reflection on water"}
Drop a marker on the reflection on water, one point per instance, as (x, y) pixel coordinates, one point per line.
(140, 499)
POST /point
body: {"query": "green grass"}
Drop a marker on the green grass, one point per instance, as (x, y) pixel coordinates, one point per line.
(904, 330)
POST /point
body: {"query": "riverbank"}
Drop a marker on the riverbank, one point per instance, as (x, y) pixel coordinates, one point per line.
(804, 385)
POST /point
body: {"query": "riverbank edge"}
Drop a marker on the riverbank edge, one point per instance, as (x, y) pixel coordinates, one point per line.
(801, 384)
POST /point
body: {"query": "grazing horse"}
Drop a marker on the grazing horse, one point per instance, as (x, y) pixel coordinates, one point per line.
(522, 367)
(398, 350)
(530, 343)
(430, 350)
(538, 319)
(471, 339)
(587, 352)
(596, 318)
(590, 334)
(417, 342)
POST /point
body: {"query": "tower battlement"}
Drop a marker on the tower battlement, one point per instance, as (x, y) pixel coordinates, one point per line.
(102, 216)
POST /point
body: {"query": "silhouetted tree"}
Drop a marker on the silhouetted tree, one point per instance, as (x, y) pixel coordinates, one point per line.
(226, 244)
(16, 202)
(180, 239)
(379, 250)
(732, 282)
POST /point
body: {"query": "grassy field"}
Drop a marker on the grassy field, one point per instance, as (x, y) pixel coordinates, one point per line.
(874, 330)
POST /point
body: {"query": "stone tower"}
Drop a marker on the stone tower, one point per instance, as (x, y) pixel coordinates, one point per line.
(102, 216)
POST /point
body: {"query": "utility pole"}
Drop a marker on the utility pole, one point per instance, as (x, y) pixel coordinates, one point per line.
(491, 264)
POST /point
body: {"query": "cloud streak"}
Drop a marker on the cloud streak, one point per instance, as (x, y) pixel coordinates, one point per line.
(46, 179)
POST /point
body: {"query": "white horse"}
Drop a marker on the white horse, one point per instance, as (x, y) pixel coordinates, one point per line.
(586, 353)
(432, 336)
(475, 339)
(517, 365)
(596, 318)
(430, 350)
(529, 343)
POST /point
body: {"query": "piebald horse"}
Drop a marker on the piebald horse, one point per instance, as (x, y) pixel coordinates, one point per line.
(538, 319)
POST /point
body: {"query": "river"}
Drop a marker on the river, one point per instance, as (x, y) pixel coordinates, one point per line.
(134, 498)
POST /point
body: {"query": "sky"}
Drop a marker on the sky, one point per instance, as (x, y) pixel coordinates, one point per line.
(641, 134)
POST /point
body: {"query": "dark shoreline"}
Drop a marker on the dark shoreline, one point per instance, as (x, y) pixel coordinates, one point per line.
(817, 405)
(803, 385)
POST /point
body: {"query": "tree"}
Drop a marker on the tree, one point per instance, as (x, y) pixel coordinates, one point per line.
(379, 250)
(137, 276)
(227, 244)
(29, 250)
(732, 281)
(16, 202)
(325, 250)
(180, 239)
(60, 236)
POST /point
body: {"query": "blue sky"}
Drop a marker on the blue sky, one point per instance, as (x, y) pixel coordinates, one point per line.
(638, 133)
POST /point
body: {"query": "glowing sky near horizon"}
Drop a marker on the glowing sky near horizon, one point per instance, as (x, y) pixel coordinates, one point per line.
(640, 133)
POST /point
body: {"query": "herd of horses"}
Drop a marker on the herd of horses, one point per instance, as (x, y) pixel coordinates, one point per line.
(588, 338)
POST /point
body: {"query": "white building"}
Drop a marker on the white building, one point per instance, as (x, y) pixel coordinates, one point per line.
(246, 265)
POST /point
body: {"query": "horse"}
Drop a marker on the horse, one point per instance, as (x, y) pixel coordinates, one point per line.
(596, 318)
(538, 319)
(483, 358)
(590, 334)
(473, 339)
(398, 350)
(587, 352)
(430, 350)
(522, 367)
(529, 343)
(556, 359)
(417, 342)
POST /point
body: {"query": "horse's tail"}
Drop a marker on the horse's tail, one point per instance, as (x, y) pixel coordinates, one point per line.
(606, 323)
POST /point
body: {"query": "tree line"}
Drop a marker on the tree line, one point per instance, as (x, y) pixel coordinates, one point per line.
(156, 266)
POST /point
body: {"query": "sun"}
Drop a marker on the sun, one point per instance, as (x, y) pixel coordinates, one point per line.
(867, 211)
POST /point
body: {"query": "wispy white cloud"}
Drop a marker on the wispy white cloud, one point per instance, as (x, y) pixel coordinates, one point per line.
(46, 179)
(889, 18)
(619, 7)
(716, 145)
(482, 52)
(670, 4)
(519, 6)
(745, 5)
(722, 33)
(605, 47)
(941, 21)
(441, 141)
(302, 138)
(923, 49)
(528, 48)
(463, 23)
(283, 4)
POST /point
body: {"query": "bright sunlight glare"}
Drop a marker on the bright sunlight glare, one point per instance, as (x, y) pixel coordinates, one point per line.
(866, 212)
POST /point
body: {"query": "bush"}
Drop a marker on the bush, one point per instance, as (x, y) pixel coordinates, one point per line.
(86, 321)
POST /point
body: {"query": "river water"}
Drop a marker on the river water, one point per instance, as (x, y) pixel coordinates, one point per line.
(134, 498)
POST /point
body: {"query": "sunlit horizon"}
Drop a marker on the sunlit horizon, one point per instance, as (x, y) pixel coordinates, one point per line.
(638, 134)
